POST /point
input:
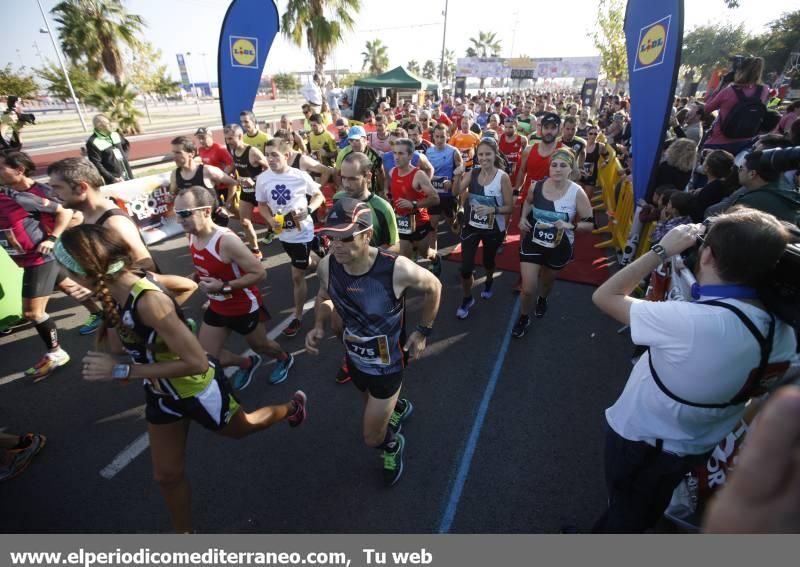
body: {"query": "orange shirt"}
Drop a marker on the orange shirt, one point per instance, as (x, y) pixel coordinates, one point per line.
(466, 144)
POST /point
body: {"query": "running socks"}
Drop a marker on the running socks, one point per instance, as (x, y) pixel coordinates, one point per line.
(48, 332)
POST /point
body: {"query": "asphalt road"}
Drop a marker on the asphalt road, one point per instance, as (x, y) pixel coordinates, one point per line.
(528, 415)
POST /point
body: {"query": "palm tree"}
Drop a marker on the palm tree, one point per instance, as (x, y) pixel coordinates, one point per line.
(307, 19)
(413, 67)
(449, 70)
(117, 102)
(376, 57)
(429, 69)
(487, 45)
(90, 32)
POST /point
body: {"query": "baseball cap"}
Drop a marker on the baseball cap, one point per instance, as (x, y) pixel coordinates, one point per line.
(551, 118)
(341, 122)
(356, 132)
(347, 217)
(458, 101)
(203, 131)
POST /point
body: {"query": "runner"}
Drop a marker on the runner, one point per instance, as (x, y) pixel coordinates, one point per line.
(590, 164)
(448, 165)
(426, 126)
(283, 200)
(30, 224)
(525, 119)
(249, 163)
(211, 153)
(358, 143)
(569, 140)
(229, 276)
(181, 383)
(373, 323)
(296, 142)
(320, 173)
(323, 146)
(548, 225)
(379, 139)
(466, 141)
(189, 173)
(489, 200)
(421, 145)
(418, 159)
(412, 193)
(512, 145)
(253, 136)
(536, 157)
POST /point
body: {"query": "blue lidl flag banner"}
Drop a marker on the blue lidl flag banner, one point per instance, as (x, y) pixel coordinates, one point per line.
(653, 37)
(244, 42)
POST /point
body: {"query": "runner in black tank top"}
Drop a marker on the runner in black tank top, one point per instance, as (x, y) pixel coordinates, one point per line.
(366, 286)
(249, 163)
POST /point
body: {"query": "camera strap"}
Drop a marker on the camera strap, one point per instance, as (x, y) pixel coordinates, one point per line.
(755, 378)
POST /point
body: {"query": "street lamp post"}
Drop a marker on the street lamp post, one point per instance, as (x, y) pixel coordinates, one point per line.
(63, 67)
(444, 39)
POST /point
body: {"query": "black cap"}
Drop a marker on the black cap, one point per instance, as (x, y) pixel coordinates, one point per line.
(203, 131)
(347, 217)
(551, 118)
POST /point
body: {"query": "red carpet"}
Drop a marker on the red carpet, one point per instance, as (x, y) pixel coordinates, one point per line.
(588, 266)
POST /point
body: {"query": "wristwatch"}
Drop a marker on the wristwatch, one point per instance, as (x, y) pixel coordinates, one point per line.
(660, 251)
(414, 204)
(121, 372)
(424, 331)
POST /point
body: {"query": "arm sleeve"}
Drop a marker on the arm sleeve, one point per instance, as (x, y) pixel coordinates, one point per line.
(96, 157)
(716, 99)
(35, 204)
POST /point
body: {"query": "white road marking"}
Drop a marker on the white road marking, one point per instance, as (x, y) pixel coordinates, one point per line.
(129, 453)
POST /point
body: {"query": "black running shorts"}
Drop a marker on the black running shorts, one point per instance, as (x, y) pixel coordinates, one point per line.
(381, 387)
(242, 324)
(553, 258)
(41, 280)
(298, 253)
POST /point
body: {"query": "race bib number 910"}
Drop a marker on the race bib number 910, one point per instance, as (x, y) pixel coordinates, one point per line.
(546, 234)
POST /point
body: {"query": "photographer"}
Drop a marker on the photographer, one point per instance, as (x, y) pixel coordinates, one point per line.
(766, 188)
(705, 360)
(10, 125)
(741, 102)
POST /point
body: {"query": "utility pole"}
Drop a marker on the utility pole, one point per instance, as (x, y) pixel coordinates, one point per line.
(444, 39)
(63, 67)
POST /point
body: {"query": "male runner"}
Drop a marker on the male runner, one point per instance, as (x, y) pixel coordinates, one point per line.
(249, 163)
(286, 199)
(229, 275)
(448, 165)
(412, 194)
(570, 140)
(466, 141)
(512, 145)
(367, 286)
(211, 153)
(535, 160)
(323, 146)
(253, 136)
(358, 143)
(379, 139)
(421, 145)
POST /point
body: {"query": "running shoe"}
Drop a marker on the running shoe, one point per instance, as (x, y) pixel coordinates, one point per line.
(281, 371)
(292, 328)
(17, 460)
(49, 363)
(243, 376)
(487, 293)
(299, 416)
(463, 311)
(343, 374)
(393, 461)
(267, 238)
(320, 245)
(402, 411)
(521, 327)
(91, 324)
(541, 307)
(436, 266)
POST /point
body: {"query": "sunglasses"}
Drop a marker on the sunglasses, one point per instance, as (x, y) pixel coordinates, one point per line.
(186, 213)
(348, 239)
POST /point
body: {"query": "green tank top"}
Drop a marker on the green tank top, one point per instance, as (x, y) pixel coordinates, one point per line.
(145, 346)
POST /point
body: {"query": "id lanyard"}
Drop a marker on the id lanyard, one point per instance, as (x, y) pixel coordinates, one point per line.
(724, 291)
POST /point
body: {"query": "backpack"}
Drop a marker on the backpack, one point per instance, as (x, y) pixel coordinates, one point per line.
(744, 119)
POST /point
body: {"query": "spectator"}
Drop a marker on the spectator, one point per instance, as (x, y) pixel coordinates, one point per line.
(693, 127)
(10, 125)
(108, 151)
(676, 169)
(675, 213)
(765, 190)
(722, 180)
(792, 112)
(651, 212)
(747, 80)
(689, 390)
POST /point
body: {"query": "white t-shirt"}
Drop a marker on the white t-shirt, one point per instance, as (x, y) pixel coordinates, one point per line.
(286, 192)
(702, 354)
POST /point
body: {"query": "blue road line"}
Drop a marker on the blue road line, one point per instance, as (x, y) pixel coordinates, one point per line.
(475, 433)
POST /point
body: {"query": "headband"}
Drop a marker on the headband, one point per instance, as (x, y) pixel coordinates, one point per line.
(564, 155)
(65, 259)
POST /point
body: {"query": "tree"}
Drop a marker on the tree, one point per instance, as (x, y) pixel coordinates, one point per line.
(486, 45)
(90, 32)
(710, 46)
(17, 83)
(376, 57)
(413, 67)
(166, 86)
(56, 86)
(144, 68)
(778, 43)
(429, 69)
(449, 66)
(609, 39)
(118, 103)
(320, 23)
(347, 80)
(286, 82)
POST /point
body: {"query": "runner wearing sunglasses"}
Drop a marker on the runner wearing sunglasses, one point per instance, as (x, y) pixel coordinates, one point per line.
(366, 286)
(228, 273)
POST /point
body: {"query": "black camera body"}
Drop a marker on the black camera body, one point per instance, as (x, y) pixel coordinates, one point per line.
(780, 159)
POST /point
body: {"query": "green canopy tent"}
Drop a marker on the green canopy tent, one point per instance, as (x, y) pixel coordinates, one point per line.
(400, 79)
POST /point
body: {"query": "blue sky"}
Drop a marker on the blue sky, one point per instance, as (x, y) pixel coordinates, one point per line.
(180, 26)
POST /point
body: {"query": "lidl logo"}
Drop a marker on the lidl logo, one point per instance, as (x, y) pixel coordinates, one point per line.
(652, 43)
(244, 51)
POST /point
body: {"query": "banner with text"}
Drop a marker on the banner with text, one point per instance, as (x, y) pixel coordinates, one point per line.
(148, 202)
(528, 67)
(244, 42)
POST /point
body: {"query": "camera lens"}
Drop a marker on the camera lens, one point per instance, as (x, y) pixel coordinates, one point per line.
(781, 159)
